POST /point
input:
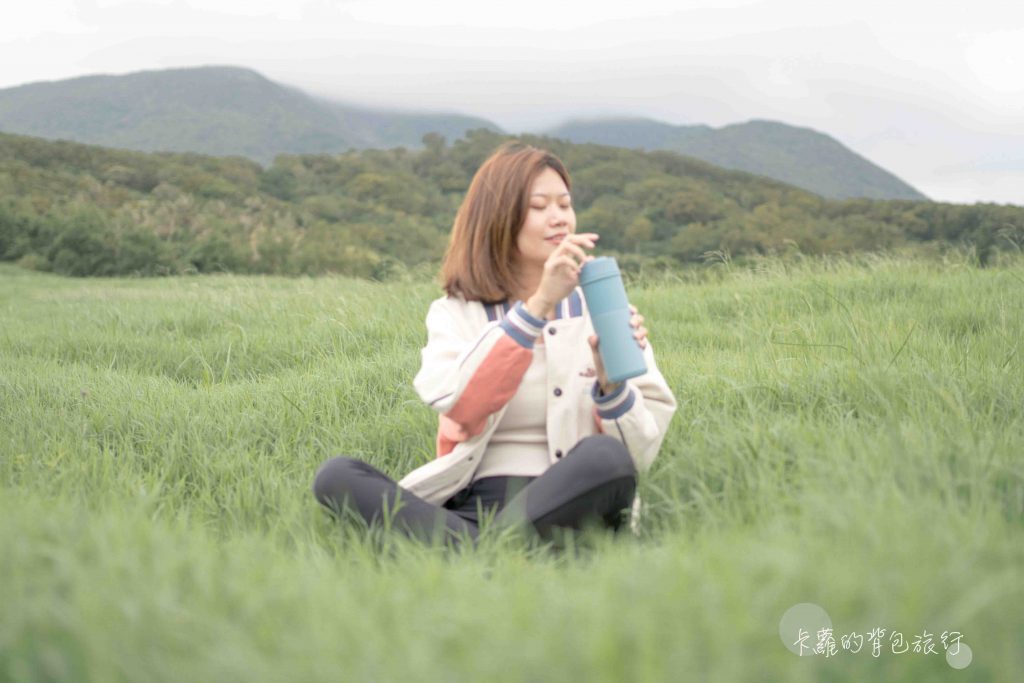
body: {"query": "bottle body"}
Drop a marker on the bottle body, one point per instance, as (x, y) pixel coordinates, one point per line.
(609, 311)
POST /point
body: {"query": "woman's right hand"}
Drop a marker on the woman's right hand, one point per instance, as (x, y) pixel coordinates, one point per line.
(561, 272)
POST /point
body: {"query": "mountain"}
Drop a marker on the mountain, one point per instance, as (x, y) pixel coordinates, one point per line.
(798, 156)
(212, 110)
(221, 110)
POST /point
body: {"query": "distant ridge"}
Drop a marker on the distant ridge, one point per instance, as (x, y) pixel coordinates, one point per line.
(218, 110)
(227, 110)
(798, 156)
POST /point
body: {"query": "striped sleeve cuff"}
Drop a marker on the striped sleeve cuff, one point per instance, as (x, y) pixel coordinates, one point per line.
(522, 326)
(615, 404)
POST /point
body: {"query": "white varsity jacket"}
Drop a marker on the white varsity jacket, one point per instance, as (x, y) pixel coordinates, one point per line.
(475, 356)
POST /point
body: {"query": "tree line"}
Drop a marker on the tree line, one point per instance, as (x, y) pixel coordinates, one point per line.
(83, 210)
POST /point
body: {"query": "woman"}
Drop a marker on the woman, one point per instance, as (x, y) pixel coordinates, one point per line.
(531, 431)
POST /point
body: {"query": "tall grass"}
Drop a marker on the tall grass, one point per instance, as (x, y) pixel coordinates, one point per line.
(849, 434)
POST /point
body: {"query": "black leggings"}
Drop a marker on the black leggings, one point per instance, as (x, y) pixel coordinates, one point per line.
(595, 481)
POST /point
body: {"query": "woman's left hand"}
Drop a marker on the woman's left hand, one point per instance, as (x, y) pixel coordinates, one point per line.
(639, 332)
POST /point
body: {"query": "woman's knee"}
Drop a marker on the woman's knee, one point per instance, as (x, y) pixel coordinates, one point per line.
(608, 457)
(333, 478)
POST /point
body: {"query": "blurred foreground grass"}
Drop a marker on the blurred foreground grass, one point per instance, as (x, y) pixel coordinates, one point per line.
(850, 434)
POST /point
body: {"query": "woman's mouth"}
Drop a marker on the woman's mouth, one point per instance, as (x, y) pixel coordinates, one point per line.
(555, 238)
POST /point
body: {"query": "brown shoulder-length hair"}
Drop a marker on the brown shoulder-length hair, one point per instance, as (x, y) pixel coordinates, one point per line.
(478, 262)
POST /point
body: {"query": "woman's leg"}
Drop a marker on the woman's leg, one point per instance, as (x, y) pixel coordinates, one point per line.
(596, 480)
(348, 481)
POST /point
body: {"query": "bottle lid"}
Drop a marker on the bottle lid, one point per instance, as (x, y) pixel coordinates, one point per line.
(598, 269)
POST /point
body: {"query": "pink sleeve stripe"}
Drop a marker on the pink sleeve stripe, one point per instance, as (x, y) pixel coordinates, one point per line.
(492, 385)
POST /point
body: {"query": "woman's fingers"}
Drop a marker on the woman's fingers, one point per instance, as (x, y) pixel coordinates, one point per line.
(565, 264)
(588, 239)
(641, 337)
(566, 245)
(572, 242)
(564, 260)
(578, 252)
(567, 260)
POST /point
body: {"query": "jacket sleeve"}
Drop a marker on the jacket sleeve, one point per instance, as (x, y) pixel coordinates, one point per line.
(467, 375)
(638, 412)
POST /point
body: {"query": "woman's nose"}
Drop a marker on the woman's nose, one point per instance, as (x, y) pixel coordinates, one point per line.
(559, 214)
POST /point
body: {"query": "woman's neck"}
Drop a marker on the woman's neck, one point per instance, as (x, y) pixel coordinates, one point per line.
(527, 282)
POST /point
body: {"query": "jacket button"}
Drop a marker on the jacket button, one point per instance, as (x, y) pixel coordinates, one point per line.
(551, 330)
(558, 392)
(558, 454)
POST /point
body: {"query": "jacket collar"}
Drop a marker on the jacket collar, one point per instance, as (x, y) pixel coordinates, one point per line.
(569, 307)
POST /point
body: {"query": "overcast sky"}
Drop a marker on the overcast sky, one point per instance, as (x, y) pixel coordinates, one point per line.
(932, 91)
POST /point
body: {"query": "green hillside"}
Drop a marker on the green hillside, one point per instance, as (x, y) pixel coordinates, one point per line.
(84, 210)
(798, 156)
(211, 110)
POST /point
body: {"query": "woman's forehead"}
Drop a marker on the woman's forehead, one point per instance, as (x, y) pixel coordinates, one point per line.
(549, 184)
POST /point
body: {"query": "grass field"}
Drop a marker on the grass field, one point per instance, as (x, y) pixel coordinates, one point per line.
(849, 434)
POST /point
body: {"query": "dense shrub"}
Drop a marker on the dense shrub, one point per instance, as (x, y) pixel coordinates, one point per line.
(82, 210)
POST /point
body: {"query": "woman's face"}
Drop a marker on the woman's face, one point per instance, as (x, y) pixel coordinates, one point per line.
(549, 218)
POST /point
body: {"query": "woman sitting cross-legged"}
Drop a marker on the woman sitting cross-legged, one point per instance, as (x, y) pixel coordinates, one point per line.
(530, 429)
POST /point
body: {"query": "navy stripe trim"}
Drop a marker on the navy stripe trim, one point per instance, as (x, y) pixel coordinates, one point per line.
(497, 311)
(622, 409)
(615, 404)
(569, 307)
(610, 398)
(529, 319)
(575, 305)
(522, 326)
(521, 337)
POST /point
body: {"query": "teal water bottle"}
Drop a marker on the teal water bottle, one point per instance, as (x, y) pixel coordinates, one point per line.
(609, 313)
